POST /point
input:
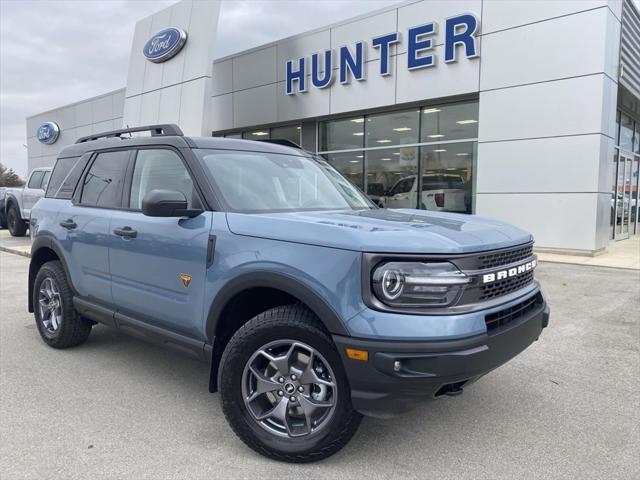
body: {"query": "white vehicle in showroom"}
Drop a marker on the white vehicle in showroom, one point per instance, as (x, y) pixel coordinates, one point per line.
(440, 192)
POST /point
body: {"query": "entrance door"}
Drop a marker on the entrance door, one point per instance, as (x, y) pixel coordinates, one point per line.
(621, 201)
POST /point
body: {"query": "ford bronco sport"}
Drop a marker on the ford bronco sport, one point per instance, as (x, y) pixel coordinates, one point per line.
(312, 305)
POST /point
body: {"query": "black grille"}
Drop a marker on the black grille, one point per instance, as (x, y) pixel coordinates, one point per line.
(499, 319)
(492, 260)
(508, 285)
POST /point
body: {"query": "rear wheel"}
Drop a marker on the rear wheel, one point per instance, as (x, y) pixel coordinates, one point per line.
(17, 227)
(283, 387)
(59, 324)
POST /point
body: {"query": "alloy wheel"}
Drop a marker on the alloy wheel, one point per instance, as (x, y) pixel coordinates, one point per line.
(289, 389)
(50, 305)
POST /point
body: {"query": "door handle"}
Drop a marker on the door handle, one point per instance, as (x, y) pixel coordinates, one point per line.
(126, 232)
(69, 224)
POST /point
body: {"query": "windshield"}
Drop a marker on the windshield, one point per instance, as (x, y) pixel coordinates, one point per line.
(262, 182)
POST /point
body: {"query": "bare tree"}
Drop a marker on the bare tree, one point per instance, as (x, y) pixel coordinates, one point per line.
(9, 178)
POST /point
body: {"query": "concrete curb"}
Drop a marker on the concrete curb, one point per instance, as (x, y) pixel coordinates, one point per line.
(617, 267)
(15, 251)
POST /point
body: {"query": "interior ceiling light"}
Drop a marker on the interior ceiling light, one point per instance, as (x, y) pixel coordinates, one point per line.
(358, 120)
(440, 150)
(462, 154)
(359, 156)
(396, 153)
(384, 140)
(431, 110)
(465, 122)
(358, 134)
(385, 159)
(355, 161)
(437, 135)
(402, 129)
(259, 134)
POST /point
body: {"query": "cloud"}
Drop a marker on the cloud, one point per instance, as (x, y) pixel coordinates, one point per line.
(57, 52)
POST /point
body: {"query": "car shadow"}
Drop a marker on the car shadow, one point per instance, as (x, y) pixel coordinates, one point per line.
(177, 372)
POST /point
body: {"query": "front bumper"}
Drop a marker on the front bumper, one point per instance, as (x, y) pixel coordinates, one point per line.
(382, 387)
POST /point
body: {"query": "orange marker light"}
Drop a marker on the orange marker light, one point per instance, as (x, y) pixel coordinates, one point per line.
(355, 354)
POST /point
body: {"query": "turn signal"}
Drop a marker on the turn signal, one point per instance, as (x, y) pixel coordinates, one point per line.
(354, 354)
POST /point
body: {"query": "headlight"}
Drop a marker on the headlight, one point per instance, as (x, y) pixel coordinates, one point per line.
(417, 284)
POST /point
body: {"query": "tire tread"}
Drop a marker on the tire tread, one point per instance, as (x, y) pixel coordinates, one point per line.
(74, 330)
(296, 316)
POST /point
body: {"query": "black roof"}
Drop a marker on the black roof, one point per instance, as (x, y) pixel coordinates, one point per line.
(170, 135)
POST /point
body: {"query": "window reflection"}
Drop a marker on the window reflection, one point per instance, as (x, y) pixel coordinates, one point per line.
(258, 134)
(342, 134)
(447, 177)
(449, 122)
(389, 174)
(395, 128)
(626, 132)
(289, 132)
(350, 165)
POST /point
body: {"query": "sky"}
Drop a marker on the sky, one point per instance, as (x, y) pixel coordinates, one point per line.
(56, 52)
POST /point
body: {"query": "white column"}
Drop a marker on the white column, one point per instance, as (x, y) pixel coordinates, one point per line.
(179, 89)
(548, 89)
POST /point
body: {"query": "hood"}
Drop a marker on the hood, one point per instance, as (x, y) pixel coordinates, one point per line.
(383, 230)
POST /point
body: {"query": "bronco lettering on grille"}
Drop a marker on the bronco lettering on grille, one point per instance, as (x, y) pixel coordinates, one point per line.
(509, 272)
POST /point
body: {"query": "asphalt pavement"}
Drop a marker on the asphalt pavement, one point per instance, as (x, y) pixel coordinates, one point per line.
(568, 407)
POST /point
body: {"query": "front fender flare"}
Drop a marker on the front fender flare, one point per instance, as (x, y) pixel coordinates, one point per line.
(267, 279)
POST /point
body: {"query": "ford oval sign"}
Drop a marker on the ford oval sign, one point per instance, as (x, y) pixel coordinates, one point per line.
(165, 44)
(48, 133)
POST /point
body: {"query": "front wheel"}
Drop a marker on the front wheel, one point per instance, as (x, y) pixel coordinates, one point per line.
(283, 388)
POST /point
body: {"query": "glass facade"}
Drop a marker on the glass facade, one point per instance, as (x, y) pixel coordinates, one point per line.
(383, 154)
(625, 178)
(285, 132)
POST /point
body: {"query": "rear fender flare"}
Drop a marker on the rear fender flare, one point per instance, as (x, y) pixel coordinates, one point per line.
(52, 244)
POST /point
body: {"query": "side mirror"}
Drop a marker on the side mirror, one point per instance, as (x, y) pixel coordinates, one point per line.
(167, 203)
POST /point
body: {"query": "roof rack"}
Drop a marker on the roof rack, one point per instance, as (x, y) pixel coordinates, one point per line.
(169, 129)
(282, 141)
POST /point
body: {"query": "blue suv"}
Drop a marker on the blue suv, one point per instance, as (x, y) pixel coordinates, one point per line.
(312, 305)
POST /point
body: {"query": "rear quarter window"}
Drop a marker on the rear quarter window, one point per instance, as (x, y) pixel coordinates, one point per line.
(65, 176)
(36, 179)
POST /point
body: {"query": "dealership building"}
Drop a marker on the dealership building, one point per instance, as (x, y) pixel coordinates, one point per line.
(525, 111)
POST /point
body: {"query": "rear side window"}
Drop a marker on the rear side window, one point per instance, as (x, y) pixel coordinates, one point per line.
(45, 179)
(61, 169)
(403, 186)
(103, 182)
(159, 170)
(442, 182)
(36, 179)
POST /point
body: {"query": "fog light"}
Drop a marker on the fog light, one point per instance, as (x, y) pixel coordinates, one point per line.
(397, 366)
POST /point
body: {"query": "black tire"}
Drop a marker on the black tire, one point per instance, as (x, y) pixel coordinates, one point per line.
(71, 329)
(17, 227)
(296, 323)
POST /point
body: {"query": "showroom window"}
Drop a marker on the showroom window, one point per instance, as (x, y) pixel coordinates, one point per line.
(626, 133)
(382, 153)
(286, 132)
